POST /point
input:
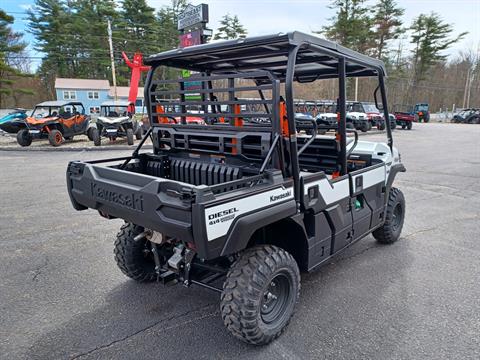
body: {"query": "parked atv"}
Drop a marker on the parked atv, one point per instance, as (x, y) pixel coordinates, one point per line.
(467, 116)
(56, 121)
(13, 122)
(369, 108)
(359, 121)
(381, 123)
(404, 119)
(115, 120)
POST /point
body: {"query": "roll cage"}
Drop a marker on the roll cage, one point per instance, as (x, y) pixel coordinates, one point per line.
(259, 64)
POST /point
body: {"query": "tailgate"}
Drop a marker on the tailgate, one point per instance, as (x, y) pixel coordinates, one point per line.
(152, 202)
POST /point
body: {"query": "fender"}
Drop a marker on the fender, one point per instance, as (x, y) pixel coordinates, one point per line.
(243, 229)
(394, 170)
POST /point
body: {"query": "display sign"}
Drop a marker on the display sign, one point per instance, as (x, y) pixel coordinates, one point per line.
(190, 39)
(192, 16)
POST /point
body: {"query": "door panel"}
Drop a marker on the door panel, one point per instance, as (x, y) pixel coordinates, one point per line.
(368, 195)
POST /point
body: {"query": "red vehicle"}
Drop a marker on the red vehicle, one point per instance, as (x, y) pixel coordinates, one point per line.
(404, 119)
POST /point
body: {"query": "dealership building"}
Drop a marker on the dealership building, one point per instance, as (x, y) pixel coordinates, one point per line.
(91, 93)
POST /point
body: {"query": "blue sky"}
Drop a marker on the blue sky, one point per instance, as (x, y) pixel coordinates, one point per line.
(273, 16)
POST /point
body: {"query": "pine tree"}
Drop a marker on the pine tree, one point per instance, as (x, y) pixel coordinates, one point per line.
(47, 22)
(167, 19)
(430, 36)
(351, 26)
(11, 45)
(387, 25)
(138, 31)
(230, 28)
(87, 29)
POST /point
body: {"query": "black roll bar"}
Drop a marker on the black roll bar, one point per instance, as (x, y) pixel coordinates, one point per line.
(342, 124)
(292, 131)
(381, 82)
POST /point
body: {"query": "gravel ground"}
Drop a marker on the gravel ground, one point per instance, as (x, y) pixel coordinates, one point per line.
(62, 297)
(9, 142)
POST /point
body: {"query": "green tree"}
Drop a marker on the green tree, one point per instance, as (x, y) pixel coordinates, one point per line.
(430, 37)
(230, 28)
(351, 25)
(47, 22)
(137, 31)
(387, 25)
(167, 19)
(11, 46)
(88, 39)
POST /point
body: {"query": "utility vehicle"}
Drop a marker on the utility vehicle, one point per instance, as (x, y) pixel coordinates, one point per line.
(246, 205)
(13, 121)
(56, 121)
(404, 119)
(116, 120)
(467, 116)
(421, 112)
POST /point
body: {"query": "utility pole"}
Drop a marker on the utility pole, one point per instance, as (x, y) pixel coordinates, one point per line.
(356, 89)
(467, 83)
(114, 78)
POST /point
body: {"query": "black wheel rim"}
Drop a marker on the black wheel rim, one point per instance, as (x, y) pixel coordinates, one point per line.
(397, 216)
(276, 299)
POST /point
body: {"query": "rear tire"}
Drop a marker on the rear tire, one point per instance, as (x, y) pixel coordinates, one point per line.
(55, 137)
(409, 125)
(96, 137)
(138, 134)
(129, 136)
(394, 218)
(260, 293)
(134, 258)
(364, 127)
(24, 138)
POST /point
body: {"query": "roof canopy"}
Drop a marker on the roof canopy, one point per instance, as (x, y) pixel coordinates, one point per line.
(316, 59)
(59, 103)
(87, 84)
(116, 103)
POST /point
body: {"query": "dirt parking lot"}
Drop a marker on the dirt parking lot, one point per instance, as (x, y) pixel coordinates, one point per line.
(62, 297)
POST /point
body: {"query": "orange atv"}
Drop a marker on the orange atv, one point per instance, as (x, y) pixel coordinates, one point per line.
(56, 121)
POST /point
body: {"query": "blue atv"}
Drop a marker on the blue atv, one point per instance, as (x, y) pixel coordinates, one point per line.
(14, 121)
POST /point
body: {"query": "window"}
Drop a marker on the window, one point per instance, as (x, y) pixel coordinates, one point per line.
(69, 95)
(94, 109)
(93, 94)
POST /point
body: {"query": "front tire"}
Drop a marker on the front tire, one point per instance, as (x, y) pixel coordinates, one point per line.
(260, 293)
(394, 218)
(134, 258)
(138, 133)
(55, 137)
(409, 125)
(24, 138)
(129, 136)
(96, 137)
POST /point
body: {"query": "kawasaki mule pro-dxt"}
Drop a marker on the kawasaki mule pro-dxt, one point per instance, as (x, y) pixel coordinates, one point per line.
(241, 207)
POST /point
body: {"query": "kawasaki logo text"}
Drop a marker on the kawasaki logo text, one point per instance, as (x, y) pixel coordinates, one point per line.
(131, 201)
(280, 196)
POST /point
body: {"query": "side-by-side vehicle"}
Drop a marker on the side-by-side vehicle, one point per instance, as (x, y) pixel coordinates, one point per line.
(56, 121)
(242, 207)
